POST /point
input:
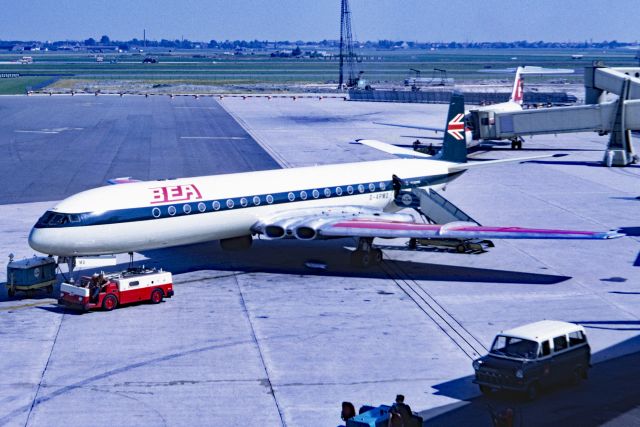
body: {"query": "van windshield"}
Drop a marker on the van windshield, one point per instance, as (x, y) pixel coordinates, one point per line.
(514, 347)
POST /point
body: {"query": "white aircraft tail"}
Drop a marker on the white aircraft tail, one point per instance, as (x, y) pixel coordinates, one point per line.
(517, 93)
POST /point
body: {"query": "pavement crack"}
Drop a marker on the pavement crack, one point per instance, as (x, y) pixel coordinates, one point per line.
(267, 381)
(34, 402)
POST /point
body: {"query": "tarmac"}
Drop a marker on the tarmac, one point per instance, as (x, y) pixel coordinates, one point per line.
(256, 337)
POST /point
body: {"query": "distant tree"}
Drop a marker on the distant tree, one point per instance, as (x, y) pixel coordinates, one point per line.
(297, 51)
(104, 40)
(90, 42)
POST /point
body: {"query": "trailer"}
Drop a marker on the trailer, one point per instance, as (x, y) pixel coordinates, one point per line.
(31, 274)
(108, 291)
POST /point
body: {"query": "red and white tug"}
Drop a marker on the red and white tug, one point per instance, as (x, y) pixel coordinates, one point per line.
(107, 291)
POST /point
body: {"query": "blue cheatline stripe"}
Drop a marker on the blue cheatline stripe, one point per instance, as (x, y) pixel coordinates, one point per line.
(209, 206)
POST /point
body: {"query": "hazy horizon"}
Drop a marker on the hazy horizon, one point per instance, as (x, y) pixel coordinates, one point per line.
(411, 20)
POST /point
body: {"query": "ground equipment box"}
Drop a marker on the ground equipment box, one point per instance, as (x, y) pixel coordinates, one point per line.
(30, 274)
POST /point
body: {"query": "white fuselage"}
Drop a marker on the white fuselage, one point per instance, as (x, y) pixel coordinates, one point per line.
(155, 214)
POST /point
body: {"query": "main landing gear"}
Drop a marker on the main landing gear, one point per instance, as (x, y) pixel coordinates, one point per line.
(516, 143)
(365, 254)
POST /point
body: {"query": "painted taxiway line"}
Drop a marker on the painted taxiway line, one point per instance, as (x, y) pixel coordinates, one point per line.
(212, 137)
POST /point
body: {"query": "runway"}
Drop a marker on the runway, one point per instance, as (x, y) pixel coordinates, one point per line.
(255, 337)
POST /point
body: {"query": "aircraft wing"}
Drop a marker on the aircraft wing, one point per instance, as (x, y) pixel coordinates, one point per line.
(354, 221)
(456, 230)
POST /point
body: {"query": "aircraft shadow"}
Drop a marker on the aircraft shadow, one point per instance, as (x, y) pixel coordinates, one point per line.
(626, 198)
(632, 232)
(573, 163)
(329, 258)
(610, 392)
(635, 324)
(290, 257)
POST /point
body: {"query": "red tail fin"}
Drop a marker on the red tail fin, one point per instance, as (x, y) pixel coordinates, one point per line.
(517, 94)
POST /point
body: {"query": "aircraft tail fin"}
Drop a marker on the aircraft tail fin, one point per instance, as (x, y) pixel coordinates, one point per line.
(517, 93)
(454, 145)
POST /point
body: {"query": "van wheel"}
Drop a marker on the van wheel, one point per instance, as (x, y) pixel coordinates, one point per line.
(156, 296)
(532, 391)
(109, 302)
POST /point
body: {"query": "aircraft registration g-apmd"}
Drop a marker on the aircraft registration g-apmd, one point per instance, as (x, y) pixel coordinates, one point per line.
(358, 200)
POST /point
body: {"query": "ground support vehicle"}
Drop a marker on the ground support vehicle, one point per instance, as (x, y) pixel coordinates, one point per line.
(107, 291)
(30, 274)
(534, 356)
(378, 416)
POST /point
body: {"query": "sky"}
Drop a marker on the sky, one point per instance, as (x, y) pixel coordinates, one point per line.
(411, 20)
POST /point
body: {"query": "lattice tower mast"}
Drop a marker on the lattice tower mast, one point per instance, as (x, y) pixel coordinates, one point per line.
(347, 55)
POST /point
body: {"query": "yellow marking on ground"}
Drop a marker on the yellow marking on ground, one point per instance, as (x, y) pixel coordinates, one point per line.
(35, 304)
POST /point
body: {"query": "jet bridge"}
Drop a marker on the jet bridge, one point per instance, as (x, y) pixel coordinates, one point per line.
(616, 118)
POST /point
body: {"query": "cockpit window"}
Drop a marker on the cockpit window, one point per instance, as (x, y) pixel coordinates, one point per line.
(52, 219)
(57, 219)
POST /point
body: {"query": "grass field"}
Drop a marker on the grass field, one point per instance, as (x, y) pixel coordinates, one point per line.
(214, 68)
(20, 85)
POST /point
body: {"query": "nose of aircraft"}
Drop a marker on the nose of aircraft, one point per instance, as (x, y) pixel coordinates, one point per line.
(40, 240)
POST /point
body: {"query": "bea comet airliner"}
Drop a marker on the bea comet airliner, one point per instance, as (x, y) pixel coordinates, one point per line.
(359, 200)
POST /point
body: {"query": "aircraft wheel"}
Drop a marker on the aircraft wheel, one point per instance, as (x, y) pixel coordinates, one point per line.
(109, 302)
(156, 296)
(376, 256)
(513, 145)
(461, 248)
(360, 258)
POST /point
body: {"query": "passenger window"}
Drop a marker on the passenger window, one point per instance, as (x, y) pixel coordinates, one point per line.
(545, 349)
(576, 338)
(559, 343)
(135, 283)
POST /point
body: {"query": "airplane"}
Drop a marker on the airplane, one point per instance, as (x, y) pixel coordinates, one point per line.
(514, 103)
(359, 200)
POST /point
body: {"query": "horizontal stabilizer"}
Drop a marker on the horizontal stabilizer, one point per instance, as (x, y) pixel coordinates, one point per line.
(465, 166)
(122, 180)
(433, 129)
(401, 152)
